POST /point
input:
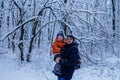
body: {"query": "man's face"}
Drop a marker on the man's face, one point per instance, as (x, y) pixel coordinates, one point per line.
(69, 40)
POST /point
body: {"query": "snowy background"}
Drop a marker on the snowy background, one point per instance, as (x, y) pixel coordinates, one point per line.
(28, 28)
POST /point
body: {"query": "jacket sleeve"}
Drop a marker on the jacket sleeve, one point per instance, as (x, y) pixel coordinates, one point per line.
(55, 48)
(73, 59)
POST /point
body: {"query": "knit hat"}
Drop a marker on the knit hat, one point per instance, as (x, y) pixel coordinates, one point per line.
(71, 36)
(60, 33)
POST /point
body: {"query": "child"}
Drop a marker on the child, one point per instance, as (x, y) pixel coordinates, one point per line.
(58, 44)
(57, 47)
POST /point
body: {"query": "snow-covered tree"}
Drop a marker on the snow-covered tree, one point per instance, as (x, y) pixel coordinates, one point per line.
(26, 25)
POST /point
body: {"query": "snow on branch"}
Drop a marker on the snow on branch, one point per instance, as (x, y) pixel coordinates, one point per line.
(91, 24)
(91, 15)
(45, 26)
(59, 20)
(16, 28)
(28, 20)
(104, 13)
(69, 26)
(54, 2)
(88, 58)
(87, 39)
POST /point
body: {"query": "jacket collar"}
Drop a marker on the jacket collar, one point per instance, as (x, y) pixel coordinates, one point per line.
(72, 44)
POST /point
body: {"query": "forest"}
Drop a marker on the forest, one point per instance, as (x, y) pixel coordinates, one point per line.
(28, 28)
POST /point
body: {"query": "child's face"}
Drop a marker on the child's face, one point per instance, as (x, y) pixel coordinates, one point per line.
(60, 38)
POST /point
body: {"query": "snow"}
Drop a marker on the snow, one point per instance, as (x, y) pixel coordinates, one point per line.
(12, 69)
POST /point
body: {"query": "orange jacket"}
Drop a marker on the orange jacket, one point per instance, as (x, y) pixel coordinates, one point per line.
(57, 45)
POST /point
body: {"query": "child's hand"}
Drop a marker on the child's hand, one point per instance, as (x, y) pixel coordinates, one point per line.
(57, 60)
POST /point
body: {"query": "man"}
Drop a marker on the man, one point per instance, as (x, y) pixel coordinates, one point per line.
(69, 58)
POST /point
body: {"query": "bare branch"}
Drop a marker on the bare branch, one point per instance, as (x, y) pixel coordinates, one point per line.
(46, 2)
(16, 5)
(23, 2)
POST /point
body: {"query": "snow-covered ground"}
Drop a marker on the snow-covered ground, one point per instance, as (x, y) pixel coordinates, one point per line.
(12, 69)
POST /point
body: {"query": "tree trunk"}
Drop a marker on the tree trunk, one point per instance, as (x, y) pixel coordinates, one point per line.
(21, 45)
(113, 18)
(13, 44)
(32, 39)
